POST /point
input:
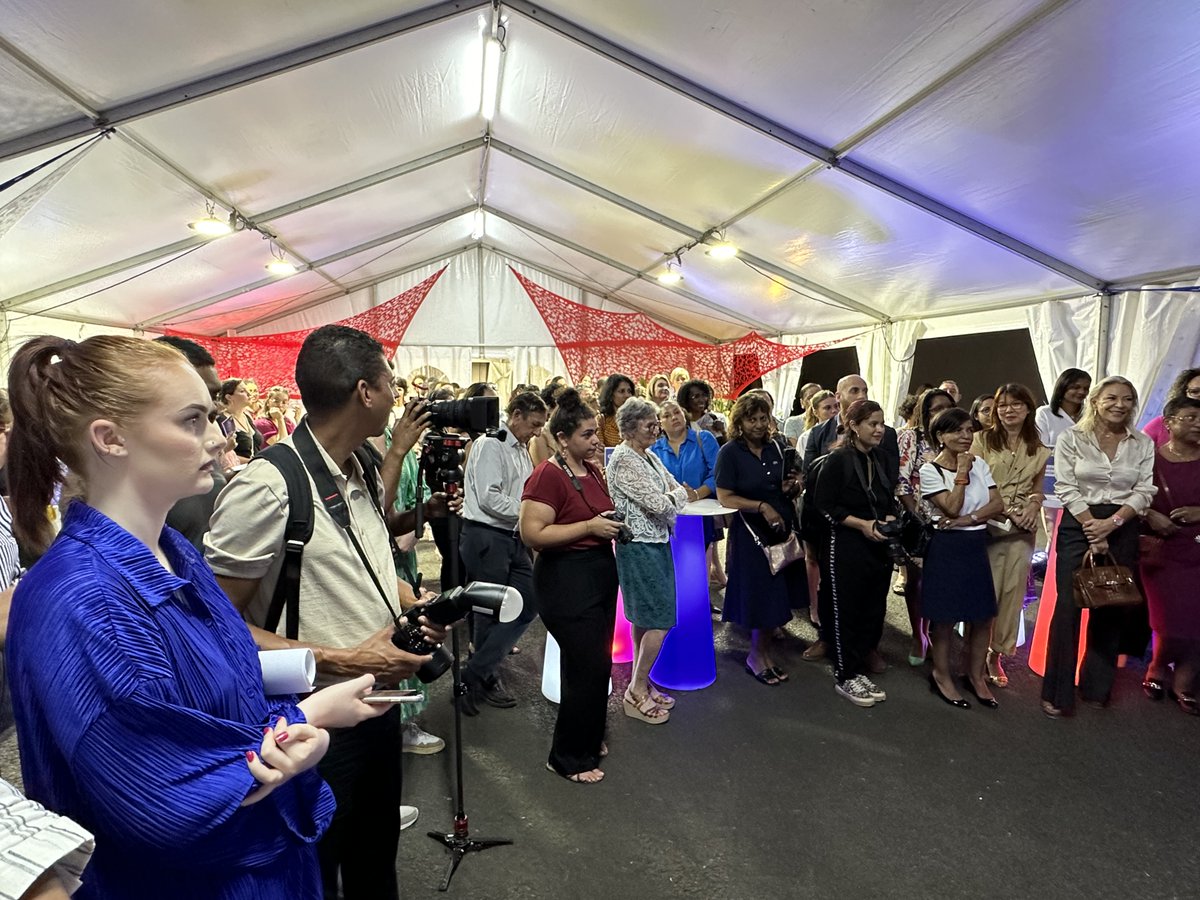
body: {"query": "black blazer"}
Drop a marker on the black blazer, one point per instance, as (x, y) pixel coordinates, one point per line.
(825, 435)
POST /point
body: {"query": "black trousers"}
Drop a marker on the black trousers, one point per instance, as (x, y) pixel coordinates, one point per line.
(362, 767)
(490, 555)
(576, 593)
(440, 528)
(855, 574)
(1105, 626)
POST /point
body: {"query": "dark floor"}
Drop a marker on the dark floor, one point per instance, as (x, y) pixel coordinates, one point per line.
(752, 791)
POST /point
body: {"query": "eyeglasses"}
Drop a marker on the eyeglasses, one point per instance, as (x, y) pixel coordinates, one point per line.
(651, 427)
(1190, 420)
(1193, 392)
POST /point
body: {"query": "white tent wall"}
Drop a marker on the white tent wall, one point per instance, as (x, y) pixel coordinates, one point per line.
(1066, 334)
(17, 329)
(1153, 336)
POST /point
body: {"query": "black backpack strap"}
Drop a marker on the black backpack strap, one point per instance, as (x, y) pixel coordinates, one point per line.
(296, 534)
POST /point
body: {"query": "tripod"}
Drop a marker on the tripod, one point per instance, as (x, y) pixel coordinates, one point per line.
(459, 841)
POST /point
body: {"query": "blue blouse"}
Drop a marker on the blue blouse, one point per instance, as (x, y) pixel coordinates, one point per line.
(696, 461)
(137, 694)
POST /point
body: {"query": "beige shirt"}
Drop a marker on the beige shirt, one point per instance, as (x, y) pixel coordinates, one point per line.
(339, 604)
(1018, 473)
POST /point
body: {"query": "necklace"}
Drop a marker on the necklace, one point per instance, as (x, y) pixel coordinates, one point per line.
(1181, 457)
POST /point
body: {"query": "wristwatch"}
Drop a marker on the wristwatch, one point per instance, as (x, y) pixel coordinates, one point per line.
(1117, 521)
(974, 519)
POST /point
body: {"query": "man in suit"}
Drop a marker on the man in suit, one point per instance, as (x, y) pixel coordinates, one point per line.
(850, 388)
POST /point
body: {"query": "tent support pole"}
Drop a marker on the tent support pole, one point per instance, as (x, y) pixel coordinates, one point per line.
(1103, 332)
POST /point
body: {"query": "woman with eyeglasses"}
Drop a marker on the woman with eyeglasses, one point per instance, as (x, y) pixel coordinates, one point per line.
(1170, 557)
(1015, 454)
(1186, 384)
(648, 498)
(1105, 472)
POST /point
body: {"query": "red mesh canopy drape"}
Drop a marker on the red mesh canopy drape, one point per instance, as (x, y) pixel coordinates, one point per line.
(270, 359)
(596, 343)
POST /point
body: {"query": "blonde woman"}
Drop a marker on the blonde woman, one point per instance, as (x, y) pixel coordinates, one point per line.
(1105, 480)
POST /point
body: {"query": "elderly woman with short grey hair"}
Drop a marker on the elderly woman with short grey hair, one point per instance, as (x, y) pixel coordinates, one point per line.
(648, 498)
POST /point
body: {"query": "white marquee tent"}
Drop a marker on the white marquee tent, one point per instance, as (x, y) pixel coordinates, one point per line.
(890, 169)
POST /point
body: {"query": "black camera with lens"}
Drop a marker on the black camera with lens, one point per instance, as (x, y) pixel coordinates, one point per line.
(474, 415)
(624, 533)
(482, 597)
(892, 532)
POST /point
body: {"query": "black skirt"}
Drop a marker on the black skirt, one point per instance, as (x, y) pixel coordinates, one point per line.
(956, 581)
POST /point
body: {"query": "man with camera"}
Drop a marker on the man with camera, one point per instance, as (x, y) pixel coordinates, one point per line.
(348, 589)
(491, 547)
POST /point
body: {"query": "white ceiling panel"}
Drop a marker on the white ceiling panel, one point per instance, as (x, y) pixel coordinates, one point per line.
(232, 313)
(28, 103)
(221, 265)
(383, 209)
(379, 261)
(1079, 138)
(330, 123)
(824, 68)
(884, 252)
(588, 220)
(587, 114)
(108, 52)
(114, 204)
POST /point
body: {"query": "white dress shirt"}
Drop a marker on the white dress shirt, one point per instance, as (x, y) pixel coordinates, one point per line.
(1086, 476)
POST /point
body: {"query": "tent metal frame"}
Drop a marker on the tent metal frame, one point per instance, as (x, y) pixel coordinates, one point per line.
(825, 157)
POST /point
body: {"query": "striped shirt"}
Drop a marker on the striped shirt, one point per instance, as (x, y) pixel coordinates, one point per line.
(10, 561)
(32, 840)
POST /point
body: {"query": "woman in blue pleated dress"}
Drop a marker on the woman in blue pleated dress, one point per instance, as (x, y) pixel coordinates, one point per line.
(137, 690)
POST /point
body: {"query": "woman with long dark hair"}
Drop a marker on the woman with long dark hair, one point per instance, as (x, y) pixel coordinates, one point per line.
(235, 397)
(614, 392)
(137, 687)
(1105, 477)
(1186, 384)
(566, 517)
(1017, 459)
(855, 496)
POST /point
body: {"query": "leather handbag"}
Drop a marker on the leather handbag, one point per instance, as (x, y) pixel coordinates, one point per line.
(1099, 586)
(781, 555)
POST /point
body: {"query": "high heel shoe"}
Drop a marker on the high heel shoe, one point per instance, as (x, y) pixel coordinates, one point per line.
(934, 689)
(989, 702)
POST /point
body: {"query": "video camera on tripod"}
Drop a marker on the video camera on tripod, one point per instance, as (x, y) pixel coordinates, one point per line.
(442, 452)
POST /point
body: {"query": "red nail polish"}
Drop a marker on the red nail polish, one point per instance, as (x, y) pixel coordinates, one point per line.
(281, 738)
(266, 731)
(249, 756)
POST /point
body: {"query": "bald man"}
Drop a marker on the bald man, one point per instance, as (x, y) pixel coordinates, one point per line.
(849, 389)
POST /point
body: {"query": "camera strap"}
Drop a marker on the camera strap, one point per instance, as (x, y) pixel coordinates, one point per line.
(335, 503)
(575, 483)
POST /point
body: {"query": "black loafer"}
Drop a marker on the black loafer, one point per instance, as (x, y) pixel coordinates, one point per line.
(1154, 689)
(493, 693)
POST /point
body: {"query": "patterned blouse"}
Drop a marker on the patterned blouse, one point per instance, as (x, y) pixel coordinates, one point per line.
(915, 451)
(645, 493)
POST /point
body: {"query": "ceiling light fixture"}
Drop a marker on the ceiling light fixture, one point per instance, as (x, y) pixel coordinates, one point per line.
(278, 264)
(492, 49)
(722, 250)
(672, 274)
(477, 223)
(210, 225)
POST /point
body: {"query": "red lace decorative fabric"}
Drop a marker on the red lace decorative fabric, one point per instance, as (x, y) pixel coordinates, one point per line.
(597, 343)
(270, 359)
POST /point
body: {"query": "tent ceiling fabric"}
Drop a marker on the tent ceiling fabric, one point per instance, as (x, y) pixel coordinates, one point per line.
(625, 130)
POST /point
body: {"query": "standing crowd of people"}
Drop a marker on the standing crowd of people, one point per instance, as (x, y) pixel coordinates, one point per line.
(206, 525)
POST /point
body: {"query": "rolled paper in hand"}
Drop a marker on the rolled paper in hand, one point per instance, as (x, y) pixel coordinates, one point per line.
(287, 671)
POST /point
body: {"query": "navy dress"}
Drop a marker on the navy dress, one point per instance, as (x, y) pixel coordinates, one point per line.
(754, 598)
(137, 694)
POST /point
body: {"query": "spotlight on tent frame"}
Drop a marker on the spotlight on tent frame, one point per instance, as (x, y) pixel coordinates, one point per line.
(722, 250)
(672, 274)
(279, 265)
(212, 226)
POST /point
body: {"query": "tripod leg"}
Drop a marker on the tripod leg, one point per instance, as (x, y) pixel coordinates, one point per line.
(456, 855)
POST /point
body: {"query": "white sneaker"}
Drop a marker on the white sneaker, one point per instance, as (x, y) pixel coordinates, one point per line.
(875, 692)
(414, 740)
(854, 691)
(408, 816)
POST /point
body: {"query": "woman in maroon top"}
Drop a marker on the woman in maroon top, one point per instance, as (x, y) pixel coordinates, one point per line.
(564, 517)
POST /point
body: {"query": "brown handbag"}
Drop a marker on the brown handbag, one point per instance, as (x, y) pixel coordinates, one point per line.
(1104, 585)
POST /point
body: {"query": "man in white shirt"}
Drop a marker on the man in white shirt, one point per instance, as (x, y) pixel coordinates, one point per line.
(491, 547)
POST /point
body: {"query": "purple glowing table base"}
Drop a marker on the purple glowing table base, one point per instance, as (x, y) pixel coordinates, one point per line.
(688, 661)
